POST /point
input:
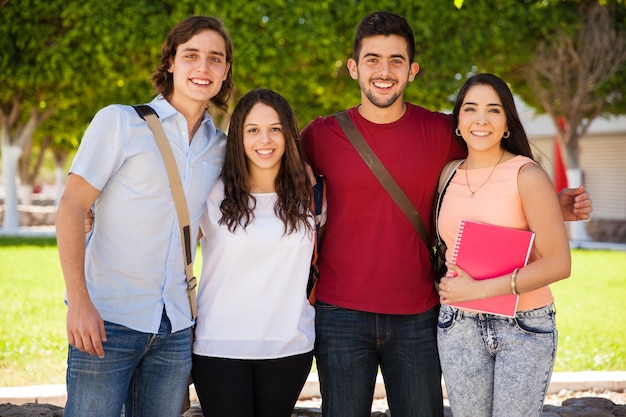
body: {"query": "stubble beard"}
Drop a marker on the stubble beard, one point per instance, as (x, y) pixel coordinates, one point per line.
(379, 102)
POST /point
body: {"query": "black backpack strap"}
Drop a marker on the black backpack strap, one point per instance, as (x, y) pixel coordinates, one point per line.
(319, 198)
(319, 194)
(144, 110)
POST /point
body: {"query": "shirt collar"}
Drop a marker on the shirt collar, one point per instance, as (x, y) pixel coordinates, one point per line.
(164, 109)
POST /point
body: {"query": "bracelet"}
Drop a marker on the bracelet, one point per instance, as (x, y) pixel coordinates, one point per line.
(513, 277)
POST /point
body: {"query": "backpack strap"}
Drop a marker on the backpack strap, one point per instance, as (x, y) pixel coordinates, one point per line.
(151, 117)
(317, 206)
(144, 110)
(384, 177)
(445, 177)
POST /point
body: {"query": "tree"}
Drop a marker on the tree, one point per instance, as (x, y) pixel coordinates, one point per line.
(61, 61)
(576, 78)
(573, 76)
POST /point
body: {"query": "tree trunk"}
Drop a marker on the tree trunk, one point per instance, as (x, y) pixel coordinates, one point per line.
(10, 156)
(60, 159)
(59, 183)
(577, 230)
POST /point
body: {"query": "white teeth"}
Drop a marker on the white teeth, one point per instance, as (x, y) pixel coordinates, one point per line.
(383, 85)
(201, 82)
(480, 133)
(265, 151)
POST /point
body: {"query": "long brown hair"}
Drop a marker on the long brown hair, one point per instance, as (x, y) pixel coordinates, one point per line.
(517, 143)
(163, 80)
(293, 186)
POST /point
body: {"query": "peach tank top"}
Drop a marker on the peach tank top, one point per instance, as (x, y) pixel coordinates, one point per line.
(496, 202)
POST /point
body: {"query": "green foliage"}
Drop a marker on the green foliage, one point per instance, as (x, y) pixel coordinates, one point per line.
(33, 343)
(78, 56)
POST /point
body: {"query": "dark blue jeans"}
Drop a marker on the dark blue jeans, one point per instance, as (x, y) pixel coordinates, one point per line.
(350, 346)
(149, 372)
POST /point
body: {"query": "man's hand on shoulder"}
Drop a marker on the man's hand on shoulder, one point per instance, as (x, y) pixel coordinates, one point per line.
(575, 204)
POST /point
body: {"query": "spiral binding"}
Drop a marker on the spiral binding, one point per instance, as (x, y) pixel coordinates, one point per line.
(457, 244)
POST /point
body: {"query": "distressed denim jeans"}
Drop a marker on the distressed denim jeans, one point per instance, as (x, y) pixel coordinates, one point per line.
(350, 345)
(497, 366)
(149, 372)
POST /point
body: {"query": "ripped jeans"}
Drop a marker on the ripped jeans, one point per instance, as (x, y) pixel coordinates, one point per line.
(494, 365)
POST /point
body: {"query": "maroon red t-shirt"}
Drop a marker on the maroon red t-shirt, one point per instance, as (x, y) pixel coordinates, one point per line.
(372, 259)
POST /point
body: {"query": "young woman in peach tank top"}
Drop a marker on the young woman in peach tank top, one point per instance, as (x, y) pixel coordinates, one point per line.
(495, 365)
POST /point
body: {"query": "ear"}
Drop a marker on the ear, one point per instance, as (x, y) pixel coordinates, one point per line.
(170, 69)
(413, 70)
(352, 68)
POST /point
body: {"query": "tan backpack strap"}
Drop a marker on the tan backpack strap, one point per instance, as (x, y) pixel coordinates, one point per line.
(149, 115)
(385, 178)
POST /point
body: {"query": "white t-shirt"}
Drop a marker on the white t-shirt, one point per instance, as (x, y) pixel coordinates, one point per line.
(252, 293)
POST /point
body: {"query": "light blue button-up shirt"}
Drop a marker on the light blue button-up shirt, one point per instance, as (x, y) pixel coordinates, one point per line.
(134, 261)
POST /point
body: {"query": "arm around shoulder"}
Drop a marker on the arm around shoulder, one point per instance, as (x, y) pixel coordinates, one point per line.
(575, 203)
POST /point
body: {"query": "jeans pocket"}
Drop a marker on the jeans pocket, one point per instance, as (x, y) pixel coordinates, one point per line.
(542, 325)
(447, 318)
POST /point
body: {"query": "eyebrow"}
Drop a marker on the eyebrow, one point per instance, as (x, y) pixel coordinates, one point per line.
(369, 54)
(471, 103)
(220, 53)
(257, 124)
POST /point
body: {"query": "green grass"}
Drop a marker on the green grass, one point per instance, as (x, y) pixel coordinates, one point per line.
(590, 313)
(32, 313)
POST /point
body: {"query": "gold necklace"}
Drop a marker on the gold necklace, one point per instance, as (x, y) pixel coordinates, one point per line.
(488, 178)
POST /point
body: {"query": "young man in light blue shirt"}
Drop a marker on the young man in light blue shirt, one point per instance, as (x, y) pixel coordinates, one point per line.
(129, 318)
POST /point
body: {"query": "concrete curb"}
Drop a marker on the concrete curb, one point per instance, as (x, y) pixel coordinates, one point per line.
(570, 381)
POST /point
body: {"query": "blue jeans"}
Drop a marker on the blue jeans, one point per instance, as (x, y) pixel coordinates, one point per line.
(350, 346)
(149, 372)
(494, 365)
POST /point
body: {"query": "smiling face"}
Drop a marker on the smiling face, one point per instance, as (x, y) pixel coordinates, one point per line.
(383, 70)
(199, 68)
(482, 120)
(263, 140)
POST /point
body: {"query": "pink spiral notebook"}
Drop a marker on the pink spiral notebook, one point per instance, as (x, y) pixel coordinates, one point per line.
(486, 251)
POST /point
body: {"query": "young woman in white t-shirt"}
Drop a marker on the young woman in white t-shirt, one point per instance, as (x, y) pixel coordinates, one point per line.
(255, 329)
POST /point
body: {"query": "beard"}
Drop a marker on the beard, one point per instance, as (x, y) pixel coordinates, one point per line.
(381, 102)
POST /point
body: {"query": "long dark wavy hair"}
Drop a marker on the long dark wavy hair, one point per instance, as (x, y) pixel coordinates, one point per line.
(517, 143)
(293, 185)
(163, 80)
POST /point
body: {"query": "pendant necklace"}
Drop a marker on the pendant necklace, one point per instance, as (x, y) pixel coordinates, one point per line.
(265, 202)
(488, 178)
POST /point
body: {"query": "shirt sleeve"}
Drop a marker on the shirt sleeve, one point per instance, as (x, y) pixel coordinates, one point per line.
(307, 136)
(101, 150)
